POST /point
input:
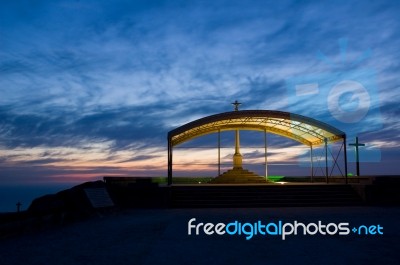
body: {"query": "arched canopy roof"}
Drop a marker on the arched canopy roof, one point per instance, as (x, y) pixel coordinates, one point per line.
(297, 127)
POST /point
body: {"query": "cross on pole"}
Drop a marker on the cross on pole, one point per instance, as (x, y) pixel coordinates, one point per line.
(236, 104)
(19, 204)
(356, 145)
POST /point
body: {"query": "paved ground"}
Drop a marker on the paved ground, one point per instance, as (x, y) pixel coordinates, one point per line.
(160, 237)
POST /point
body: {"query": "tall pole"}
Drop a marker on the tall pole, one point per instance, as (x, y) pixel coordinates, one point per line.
(237, 157)
(237, 142)
(345, 158)
(357, 158)
(265, 152)
(326, 159)
(356, 145)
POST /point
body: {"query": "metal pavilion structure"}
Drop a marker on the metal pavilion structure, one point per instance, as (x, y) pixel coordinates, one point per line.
(308, 131)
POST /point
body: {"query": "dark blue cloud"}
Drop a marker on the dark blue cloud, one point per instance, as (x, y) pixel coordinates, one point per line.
(124, 73)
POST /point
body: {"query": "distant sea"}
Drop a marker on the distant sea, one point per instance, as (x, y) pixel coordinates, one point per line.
(11, 194)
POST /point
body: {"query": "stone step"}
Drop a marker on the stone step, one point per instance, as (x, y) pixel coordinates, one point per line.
(238, 175)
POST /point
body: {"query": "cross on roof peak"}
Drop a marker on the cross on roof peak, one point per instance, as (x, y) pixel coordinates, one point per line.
(236, 104)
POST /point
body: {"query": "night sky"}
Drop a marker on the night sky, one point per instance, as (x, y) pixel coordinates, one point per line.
(91, 88)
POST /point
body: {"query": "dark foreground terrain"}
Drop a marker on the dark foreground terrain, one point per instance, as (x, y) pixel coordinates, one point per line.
(159, 236)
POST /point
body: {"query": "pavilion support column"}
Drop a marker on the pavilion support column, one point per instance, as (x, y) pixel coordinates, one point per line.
(326, 159)
(169, 162)
(312, 163)
(266, 155)
(219, 152)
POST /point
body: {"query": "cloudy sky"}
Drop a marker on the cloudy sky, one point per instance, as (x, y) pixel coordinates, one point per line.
(91, 88)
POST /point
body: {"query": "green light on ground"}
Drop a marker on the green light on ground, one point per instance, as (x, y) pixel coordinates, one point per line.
(275, 178)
